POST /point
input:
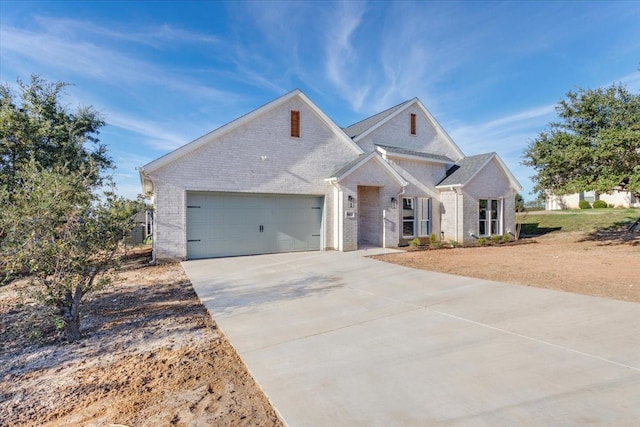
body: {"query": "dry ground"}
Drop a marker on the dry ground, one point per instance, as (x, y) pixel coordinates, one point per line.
(603, 264)
(152, 355)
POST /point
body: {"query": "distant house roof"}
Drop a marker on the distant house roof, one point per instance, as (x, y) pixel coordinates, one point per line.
(357, 128)
(465, 169)
(404, 152)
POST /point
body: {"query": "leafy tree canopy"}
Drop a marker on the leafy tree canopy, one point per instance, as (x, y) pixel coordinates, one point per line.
(34, 124)
(594, 146)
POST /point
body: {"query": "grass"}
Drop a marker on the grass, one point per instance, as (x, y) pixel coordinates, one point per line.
(543, 222)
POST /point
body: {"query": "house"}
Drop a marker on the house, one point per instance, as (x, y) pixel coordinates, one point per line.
(614, 198)
(285, 177)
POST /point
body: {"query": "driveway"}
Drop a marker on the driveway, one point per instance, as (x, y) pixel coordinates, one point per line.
(338, 339)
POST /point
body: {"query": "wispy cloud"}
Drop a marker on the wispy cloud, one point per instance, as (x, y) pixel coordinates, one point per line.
(153, 134)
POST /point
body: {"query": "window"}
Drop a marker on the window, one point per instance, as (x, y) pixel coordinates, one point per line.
(295, 124)
(424, 210)
(413, 124)
(489, 217)
(413, 215)
(408, 217)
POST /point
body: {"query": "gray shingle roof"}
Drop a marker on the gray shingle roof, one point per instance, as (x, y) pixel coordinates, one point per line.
(344, 168)
(400, 150)
(464, 169)
(362, 126)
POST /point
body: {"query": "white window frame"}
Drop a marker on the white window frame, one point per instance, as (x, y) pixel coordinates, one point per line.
(424, 216)
(412, 202)
(491, 220)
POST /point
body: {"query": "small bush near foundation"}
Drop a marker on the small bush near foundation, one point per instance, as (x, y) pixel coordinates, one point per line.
(453, 243)
(583, 204)
(506, 237)
(482, 241)
(599, 204)
(435, 245)
(433, 239)
(495, 239)
(415, 242)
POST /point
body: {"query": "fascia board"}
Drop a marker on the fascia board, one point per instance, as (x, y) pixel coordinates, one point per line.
(386, 166)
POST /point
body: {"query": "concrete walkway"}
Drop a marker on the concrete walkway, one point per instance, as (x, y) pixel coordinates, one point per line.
(337, 339)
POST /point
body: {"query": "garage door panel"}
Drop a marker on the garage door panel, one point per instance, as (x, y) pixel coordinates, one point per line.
(228, 224)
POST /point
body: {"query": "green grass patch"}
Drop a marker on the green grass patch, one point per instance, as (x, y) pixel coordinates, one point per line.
(543, 222)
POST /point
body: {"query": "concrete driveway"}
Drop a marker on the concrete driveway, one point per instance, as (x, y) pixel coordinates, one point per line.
(338, 339)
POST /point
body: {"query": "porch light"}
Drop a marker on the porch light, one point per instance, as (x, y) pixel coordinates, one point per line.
(350, 200)
(394, 203)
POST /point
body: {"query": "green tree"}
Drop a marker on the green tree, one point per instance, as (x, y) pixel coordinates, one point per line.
(64, 234)
(594, 146)
(519, 203)
(34, 124)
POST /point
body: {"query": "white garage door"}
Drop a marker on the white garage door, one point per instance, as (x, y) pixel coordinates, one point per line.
(229, 224)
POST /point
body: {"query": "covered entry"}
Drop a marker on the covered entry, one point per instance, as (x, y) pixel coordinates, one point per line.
(230, 224)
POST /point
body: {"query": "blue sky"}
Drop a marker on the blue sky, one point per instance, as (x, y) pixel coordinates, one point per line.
(164, 73)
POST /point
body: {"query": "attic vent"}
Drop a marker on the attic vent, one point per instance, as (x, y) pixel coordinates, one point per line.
(295, 124)
(413, 124)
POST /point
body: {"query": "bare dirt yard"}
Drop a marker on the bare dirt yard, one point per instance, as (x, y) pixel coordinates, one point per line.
(604, 264)
(151, 356)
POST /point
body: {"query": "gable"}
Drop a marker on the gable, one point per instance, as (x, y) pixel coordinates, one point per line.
(247, 118)
(395, 129)
(260, 154)
(483, 172)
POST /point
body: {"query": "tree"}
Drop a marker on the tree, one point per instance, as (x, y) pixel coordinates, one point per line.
(594, 146)
(520, 203)
(34, 124)
(64, 234)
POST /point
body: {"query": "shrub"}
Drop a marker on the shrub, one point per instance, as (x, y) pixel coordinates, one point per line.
(584, 204)
(599, 204)
(495, 239)
(453, 243)
(506, 237)
(415, 242)
(433, 239)
(482, 241)
(436, 245)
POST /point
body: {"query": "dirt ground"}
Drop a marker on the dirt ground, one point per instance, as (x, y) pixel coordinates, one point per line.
(151, 356)
(604, 265)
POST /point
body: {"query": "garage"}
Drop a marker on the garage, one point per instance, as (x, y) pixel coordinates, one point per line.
(232, 224)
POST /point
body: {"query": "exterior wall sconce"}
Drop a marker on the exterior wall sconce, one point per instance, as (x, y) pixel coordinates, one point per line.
(350, 201)
(394, 203)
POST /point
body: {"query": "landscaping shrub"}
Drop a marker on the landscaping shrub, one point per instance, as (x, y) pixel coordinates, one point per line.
(495, 239)
(433, 239)
(482, 241)
(584, 204)
(415, 242)
(453, 243)
(506, 237)
(599, 204)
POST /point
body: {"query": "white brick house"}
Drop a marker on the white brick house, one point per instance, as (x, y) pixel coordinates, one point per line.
(285, 177)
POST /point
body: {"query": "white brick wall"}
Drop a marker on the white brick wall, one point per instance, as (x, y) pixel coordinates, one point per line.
(396, 133)
(233, 163)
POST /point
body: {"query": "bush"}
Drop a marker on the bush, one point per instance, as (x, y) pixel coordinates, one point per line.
(433, 239)
(584, 204)
(495, 239)
(599, 204)
(453, 243)
(482, 241)
(415, 242)
(506, 237)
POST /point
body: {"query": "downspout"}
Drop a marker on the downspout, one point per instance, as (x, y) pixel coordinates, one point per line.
(455, 191)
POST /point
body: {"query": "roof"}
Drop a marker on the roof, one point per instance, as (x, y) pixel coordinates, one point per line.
(353, 165)
(211, 136)
(465, 169)
(357, 128)
(403, 152)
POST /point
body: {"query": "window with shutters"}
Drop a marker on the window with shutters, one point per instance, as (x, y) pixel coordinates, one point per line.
(295, 124)
(413, 124)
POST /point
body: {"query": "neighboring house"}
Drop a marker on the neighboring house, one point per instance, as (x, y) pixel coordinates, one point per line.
(285, 177)
(622, 199)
